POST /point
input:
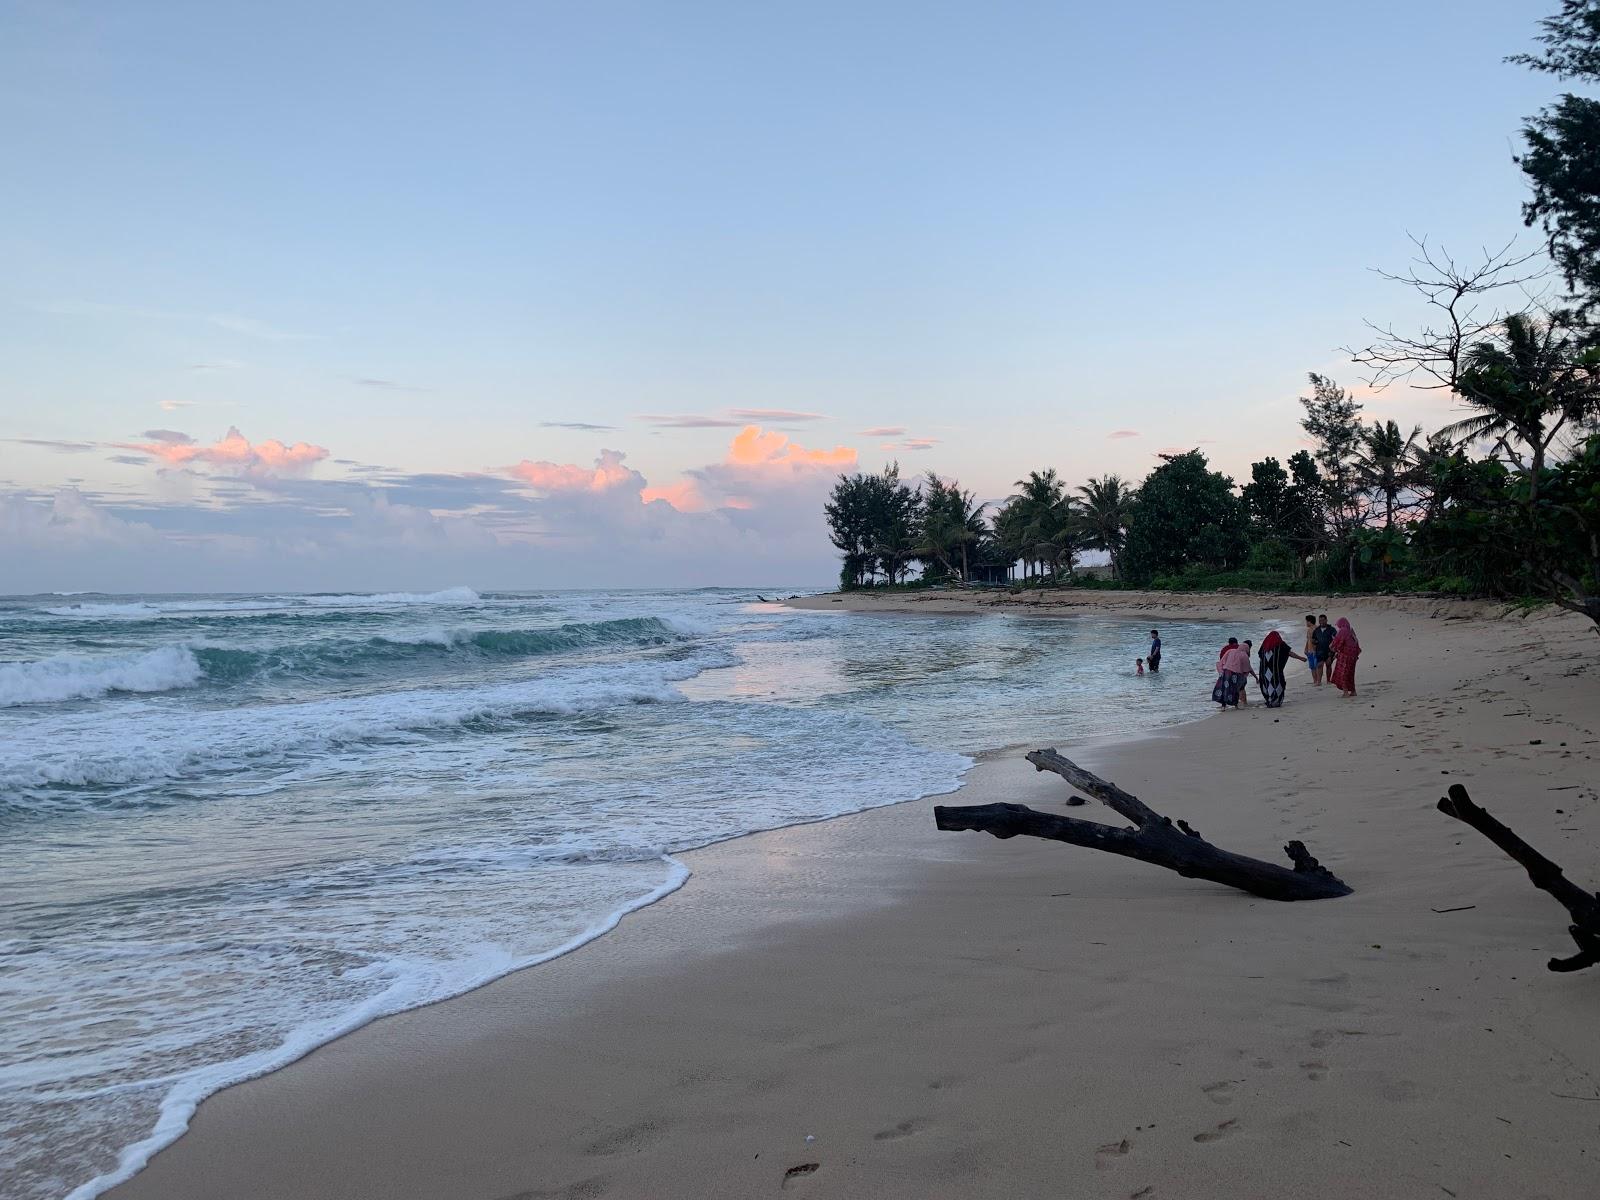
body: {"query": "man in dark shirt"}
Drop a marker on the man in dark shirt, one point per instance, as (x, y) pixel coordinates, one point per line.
(1322, 639)
(1153, 659)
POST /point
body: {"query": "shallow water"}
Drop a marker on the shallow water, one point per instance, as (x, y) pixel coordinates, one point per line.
(236, 826)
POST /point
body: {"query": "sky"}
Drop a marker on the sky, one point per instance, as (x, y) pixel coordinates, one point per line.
(415, 295)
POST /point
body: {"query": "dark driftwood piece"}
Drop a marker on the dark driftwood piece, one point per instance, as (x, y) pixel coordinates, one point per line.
(1546, 876)
(1152, 839)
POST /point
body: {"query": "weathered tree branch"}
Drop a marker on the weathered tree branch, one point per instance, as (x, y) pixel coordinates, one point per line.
(1152, 838)
(1583, 906)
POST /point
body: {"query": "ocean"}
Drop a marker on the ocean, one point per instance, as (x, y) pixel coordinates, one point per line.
(237, 826)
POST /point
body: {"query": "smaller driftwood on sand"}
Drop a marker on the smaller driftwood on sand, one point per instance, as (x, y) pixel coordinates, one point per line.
(1153, 838)
(1546, 876)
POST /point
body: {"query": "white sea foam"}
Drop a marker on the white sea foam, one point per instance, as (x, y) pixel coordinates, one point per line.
(136, 609)
(164, 745)
(146, 609)
(455, 595)
(407, 990)
(73, 677)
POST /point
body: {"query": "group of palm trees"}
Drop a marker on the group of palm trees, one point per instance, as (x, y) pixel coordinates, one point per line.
(883, 525)
(1044, 526)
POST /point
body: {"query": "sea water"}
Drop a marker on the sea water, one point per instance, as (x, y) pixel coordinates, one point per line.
(234, 827)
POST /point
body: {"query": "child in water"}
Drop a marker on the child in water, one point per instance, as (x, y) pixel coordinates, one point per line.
(1139, 664)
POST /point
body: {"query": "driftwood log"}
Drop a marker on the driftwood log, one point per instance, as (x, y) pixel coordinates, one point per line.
(1152, 839)
(1583, 906)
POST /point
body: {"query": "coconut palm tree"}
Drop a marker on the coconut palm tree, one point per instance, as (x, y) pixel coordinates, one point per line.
(1103, 512)
(952, 523)
(1529, 382)
(1386, 463)
(1047, 522)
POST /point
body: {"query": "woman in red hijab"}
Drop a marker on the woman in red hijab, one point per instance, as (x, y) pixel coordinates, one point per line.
(1346, 649)
(1274, 656)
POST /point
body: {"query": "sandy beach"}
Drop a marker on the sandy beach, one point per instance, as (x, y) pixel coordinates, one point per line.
(868, 1007)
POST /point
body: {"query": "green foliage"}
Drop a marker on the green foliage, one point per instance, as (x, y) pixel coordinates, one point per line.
(1470, 541)
(1039, 525)
(952, 526)
(1186, 515)
(1385, 463)
(1333, 423)
(1105, 507)
(875, 523)
(1197, 578)
(1562, 159)
(1285, 512)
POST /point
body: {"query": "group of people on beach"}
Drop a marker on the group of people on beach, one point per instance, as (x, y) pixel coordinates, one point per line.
(1331, 651)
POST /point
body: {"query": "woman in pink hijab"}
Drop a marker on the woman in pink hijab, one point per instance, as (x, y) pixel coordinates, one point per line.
(1346, 649)
(1233, 669)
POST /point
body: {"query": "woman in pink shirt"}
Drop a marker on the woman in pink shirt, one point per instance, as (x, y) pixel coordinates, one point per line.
(1233, 669)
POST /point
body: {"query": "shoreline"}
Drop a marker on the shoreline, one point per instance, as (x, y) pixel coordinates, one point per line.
(535, 1018)
(1177, 605)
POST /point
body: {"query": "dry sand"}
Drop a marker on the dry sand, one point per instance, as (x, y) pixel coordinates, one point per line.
(948, 1015)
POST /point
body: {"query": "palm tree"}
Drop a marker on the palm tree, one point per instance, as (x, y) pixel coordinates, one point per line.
(1529, 382)
(952, 523)
(1047, 519)
(1103, 512)
(1386, 463)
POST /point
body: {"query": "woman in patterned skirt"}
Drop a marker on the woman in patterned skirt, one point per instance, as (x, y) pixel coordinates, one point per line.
(1233, 668)
(1274, 656)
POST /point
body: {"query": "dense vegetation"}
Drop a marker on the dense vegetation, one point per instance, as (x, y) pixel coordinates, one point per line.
(1504, 502)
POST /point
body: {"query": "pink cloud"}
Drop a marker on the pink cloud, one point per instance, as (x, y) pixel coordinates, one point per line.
(753, 447)
(233, 450)
(759, 465)
(607, 473)
(1122, 433)
(884, 431)
(684, 496)
(911, 444)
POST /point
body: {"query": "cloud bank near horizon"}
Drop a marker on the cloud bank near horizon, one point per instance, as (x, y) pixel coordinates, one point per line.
(240, 515)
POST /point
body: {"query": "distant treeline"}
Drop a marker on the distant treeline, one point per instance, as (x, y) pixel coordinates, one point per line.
(1504, 502)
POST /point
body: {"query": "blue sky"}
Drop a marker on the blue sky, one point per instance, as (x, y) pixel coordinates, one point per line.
(427, 239)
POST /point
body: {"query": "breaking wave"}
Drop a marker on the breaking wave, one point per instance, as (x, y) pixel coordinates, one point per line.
(69, 677)
(73, 677)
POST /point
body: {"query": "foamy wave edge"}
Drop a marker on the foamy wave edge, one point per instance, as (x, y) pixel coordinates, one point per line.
(459, 596)
(179, 1105)
(455, 595)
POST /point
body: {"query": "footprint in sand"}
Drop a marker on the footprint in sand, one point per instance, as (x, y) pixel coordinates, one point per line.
(800, 1172)
(1315, 1070)
(584, 1189)
(903, 1130)
(1220, 1132)
(1108, 1154)
(1220, 1092)
(633, 1137)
